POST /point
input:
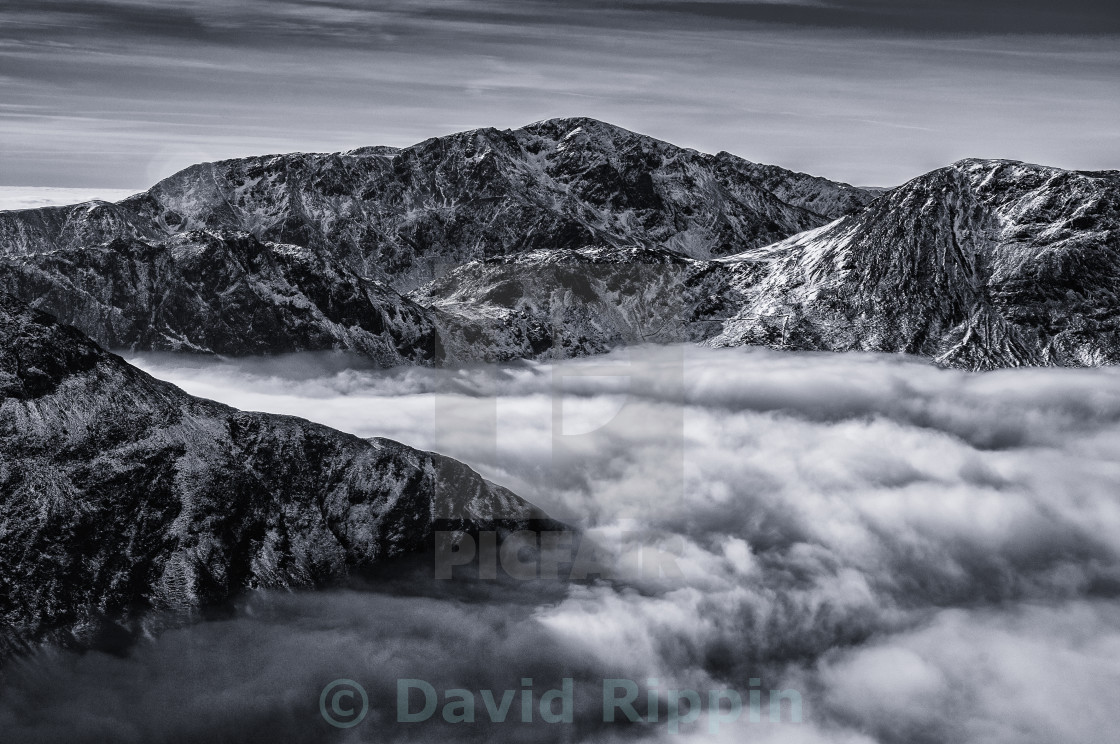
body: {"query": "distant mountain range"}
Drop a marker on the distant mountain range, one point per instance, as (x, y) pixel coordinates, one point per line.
(571, 237)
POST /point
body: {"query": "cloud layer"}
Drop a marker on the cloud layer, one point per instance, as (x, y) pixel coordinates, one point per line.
(925, 555)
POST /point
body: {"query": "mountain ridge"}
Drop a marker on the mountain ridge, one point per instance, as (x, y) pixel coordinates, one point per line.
(379, 208)
(573, 236)
(124, 497)
(1033, 249)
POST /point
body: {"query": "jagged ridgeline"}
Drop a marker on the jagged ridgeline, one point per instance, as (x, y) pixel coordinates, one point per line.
(982, 264)
(299, 252)
(572, 237)
(122, 495)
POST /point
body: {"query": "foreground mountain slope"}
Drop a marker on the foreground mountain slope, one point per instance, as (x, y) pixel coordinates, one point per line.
(121, 494)
(983, 264)
(403, 216)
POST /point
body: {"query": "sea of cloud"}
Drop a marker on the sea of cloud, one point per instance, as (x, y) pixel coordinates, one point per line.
(34, 197)
(925, 555)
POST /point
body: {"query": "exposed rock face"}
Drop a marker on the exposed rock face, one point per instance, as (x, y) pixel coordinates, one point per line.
(982, 264)
(571, 237)
(226, 294)
(568, 303)
(121, 494)
(305, 252)
(404, 215)
(818, 195)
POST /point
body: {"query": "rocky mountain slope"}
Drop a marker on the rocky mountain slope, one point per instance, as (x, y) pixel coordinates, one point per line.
(982, 264)
(569, 303)
(121, 495)
(233, 294)
(225, 293)
(979, 265)
(571, 237)
(402, 216)
(307, 252)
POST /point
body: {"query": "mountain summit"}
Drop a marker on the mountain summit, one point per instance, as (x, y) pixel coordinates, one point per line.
(982, 264)
(403, 215)
(572, 236)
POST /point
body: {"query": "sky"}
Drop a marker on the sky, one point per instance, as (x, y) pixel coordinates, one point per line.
(116, 94)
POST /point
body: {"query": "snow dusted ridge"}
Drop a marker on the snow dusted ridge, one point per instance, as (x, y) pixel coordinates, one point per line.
(123, 495)
(403, 215)
(571, 237)
(305, 252)
(982, 264)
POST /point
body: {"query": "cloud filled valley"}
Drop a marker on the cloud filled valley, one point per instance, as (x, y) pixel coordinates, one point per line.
(924, 554)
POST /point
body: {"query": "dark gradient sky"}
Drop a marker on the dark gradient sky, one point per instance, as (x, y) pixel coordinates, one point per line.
(119, 93)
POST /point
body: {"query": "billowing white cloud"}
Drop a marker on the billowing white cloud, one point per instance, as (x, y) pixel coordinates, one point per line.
(923, 554)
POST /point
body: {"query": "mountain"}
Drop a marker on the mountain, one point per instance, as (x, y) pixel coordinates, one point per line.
(403, 216)
(121, 495)
(571, 237)
(309, 252)
(227, 293)
(577, 302)
(982, 264)
(234, 294)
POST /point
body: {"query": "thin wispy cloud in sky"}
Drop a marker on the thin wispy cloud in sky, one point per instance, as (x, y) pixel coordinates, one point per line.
(120, 94)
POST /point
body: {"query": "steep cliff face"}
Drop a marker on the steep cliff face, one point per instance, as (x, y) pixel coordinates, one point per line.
(981, 264)
(121, 494)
